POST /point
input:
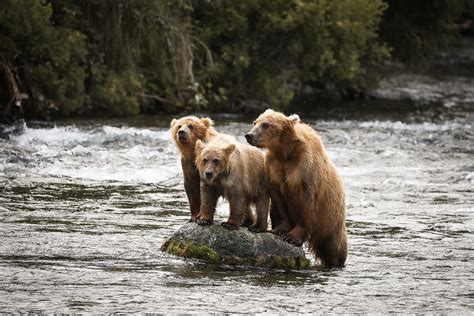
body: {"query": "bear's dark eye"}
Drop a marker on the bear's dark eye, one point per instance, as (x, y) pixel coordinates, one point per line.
(190, 127)
(204, 160)
(265, 125)
(254, 123)
(215, 160)
(179, 126)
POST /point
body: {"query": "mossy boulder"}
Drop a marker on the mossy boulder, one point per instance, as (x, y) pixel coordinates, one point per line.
(218, 245)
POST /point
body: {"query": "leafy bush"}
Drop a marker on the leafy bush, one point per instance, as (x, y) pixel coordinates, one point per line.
(417, 29)
(47, 60)
(117, 94)
(123, 57)
(267, 50)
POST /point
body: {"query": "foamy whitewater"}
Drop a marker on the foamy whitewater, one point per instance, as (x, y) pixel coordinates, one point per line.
(103, 154)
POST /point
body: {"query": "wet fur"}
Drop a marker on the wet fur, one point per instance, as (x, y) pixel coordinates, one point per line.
(308, 201)
(239, 176)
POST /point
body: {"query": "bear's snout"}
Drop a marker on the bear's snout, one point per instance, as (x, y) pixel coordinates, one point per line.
(181, 135)
(249, 138)
(208, 174)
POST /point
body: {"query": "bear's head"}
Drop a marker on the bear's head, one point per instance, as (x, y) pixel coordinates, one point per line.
(212, 159)
(272, 130)
(187, 130)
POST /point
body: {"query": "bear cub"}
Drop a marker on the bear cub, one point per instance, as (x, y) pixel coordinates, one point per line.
(185, 132)
(236, 172)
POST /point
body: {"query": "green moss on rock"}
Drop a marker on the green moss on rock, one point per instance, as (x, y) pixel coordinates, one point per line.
(205, 253)
(191, 250)
(304, 263)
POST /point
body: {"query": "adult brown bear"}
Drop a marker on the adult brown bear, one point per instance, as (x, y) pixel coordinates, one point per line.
(307, 195)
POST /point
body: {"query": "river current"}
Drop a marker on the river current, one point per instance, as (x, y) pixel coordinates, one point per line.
(85, 206)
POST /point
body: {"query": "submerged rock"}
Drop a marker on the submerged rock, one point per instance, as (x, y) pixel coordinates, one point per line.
(218, 245)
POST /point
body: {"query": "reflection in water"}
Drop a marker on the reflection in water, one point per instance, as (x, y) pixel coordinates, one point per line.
(85, 206)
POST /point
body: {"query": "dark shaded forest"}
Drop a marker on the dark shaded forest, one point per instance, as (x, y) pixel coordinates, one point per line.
(63, 58)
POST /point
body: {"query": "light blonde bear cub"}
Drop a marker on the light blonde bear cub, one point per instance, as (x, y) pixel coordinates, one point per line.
(236, 172)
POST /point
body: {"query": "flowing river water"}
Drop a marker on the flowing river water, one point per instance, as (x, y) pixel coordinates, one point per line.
(85, 206)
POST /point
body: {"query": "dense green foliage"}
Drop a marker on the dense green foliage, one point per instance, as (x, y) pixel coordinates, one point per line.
(416, 29)
(123, 57)
(268, 50)
(47, 60)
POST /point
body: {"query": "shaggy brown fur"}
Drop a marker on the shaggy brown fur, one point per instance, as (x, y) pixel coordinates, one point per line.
(236, 172)
(186, 131)
(308, 202)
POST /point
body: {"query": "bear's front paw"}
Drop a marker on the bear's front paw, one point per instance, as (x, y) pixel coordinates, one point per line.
(194, 219)
(256, 229)
(203, 222)
(277, 232)
(247, 223)
(290, 240)
(230, 226)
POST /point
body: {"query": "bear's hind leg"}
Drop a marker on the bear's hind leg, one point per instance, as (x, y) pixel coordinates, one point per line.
(249, 218)
(332, 251)
(192, 188)
(262, 205)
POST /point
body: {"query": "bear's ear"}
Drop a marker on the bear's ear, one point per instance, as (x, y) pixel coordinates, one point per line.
(293, 119)
(199, 146)
(173, 121)
(207, 122)
(229, 149)
(268, 111)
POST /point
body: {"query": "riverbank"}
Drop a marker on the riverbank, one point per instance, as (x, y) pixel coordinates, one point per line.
(447, 80)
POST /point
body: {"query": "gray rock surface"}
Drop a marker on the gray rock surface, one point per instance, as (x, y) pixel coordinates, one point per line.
(241, 247)
(447, 79)
(425, 89)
